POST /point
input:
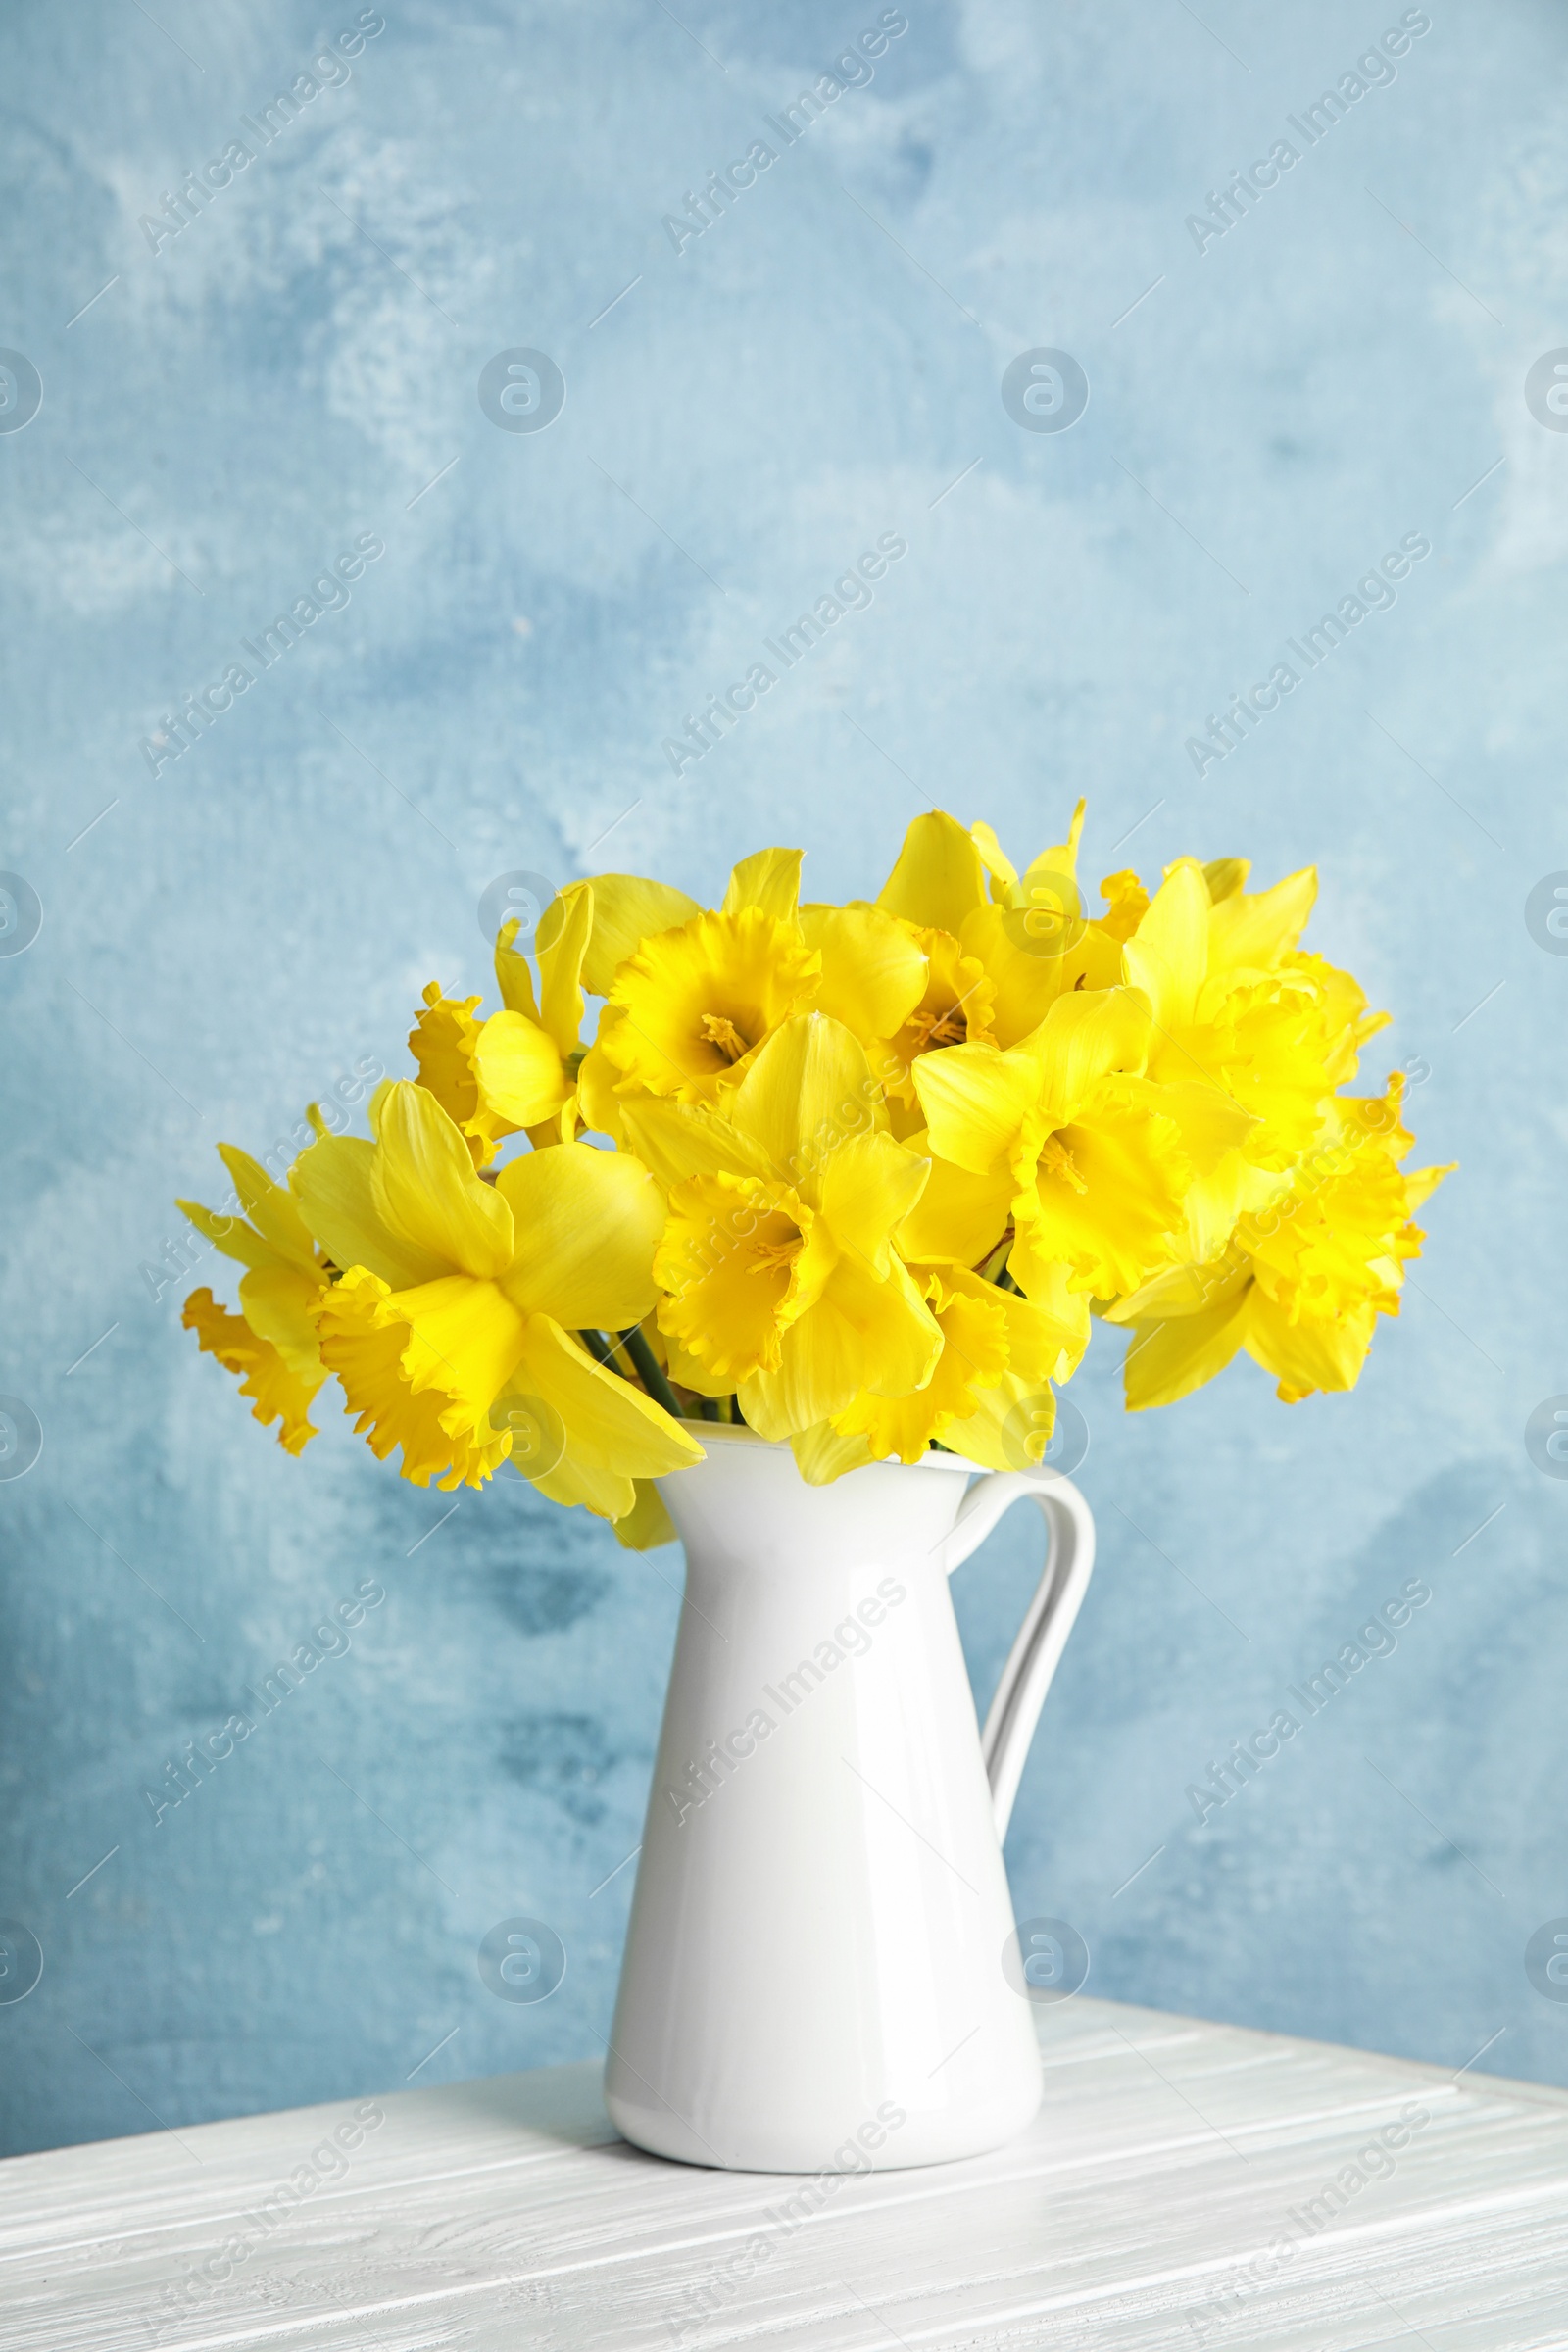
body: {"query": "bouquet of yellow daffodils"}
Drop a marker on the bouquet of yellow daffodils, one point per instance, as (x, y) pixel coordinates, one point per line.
(855, 1176)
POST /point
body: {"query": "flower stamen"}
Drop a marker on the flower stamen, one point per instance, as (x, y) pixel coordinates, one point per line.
(720, 1031)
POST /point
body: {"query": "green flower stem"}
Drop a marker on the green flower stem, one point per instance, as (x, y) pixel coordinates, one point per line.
(708, 1407)
(653, 1380)
(602, 1350)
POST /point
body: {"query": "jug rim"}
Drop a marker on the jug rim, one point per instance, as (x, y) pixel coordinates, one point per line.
(729, 1433)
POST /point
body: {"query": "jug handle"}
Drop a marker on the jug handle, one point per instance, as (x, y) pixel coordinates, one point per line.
(1014, 1711)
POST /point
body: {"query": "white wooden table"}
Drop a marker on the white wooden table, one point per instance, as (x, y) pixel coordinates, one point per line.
(1169, 2157)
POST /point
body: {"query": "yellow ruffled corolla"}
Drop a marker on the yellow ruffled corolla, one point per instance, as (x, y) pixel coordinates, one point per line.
(1095, 1163)
(460, 1302)
(1023, 938)
(1239, 1013)
(272, 1341)
(1302, 1281)
(779, 1280)
(690, 1004)
(989, 1397)
(516, 1070)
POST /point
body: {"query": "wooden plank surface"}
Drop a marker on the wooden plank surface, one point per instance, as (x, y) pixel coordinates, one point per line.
(1404, 2204)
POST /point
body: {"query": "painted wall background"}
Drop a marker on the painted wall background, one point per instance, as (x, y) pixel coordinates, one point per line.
(227, 938)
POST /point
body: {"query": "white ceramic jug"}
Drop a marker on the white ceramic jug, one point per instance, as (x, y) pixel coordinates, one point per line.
(816, 1960)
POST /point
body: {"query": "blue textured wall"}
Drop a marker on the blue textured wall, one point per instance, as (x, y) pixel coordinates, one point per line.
(225, 939)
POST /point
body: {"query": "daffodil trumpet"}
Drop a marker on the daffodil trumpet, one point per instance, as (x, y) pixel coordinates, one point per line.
(858, 1175)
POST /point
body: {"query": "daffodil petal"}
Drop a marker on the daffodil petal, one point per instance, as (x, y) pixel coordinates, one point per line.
(1167, 956)
(424, 1186)
(609, 1423)
(862, 1334)
(628, 910)
(959, 1218)
(1001, 872)
(1168, 1360)
(976, 1100)
(1086, 1037)
(276, 1303)
(513, 977)
(586, 1225)
(676, 1141)
(331, 1182)
(564, 936)
(518, 1069)
(823, 1454)
(646, 1524)
(770, 880)
(974, 1357)
(230, 1235)
(809, 1087)
(1251, 931)
(269, 1208)
(868, 1188)
(939, 877)
(1311, 1351)
(873, 970)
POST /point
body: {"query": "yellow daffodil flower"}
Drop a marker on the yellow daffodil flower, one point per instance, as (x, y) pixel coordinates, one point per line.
(272, 1341)
(1000, 947)
(1238, 1012)
(999, 1353)
(690, 1007)
(516, 1070)
(875, 1164)
(1096, 1166)
(777, 1269)
(1304, 1281)
(460, 1300)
